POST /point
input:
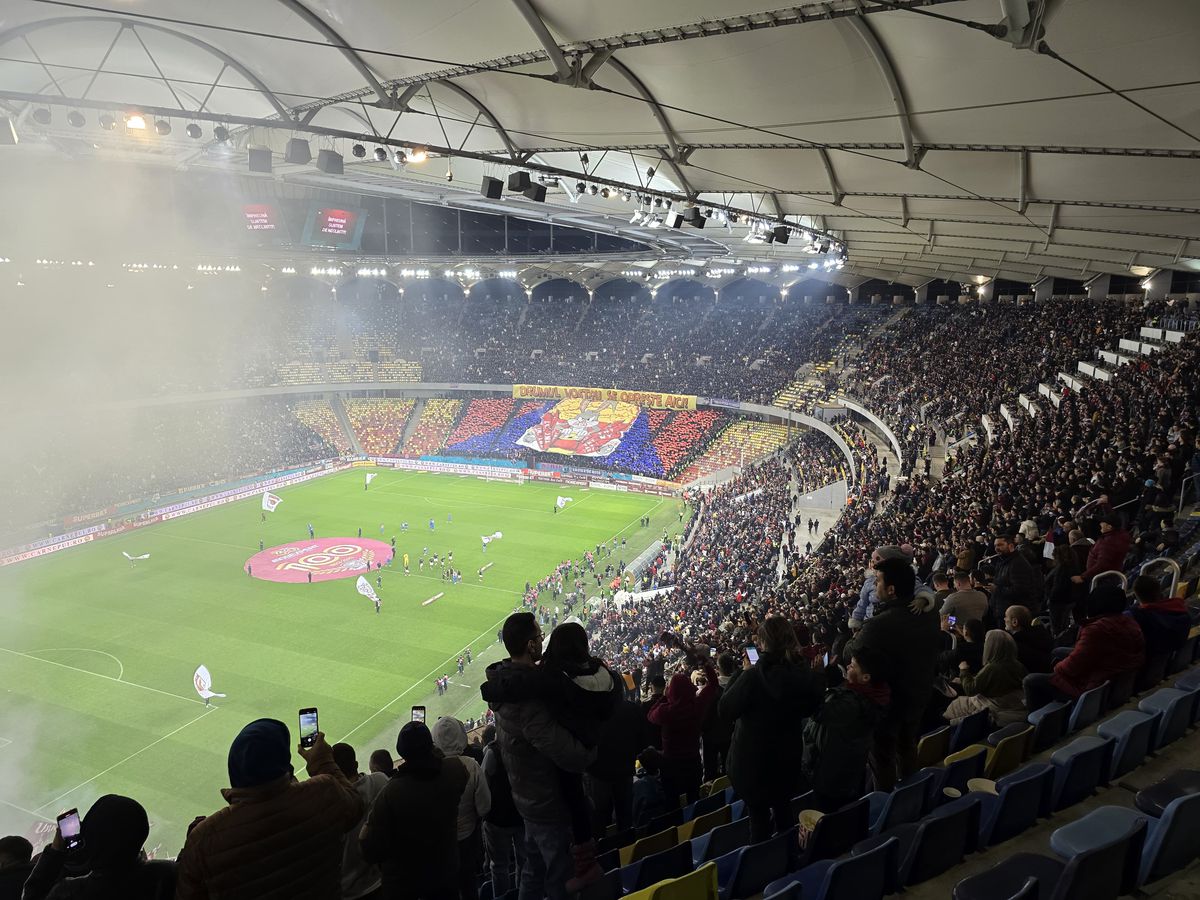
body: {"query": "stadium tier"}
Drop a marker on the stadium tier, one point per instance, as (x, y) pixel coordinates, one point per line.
(320, 417)
(433, 425)
(739, 444)
(378, 424)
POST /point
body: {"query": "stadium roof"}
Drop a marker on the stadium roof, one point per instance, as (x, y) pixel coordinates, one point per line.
(952, 139)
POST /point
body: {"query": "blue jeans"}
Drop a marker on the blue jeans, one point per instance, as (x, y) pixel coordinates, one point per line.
(547, 861)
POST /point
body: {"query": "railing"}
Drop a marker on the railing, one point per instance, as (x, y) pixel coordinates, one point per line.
(1109, 573)
(1172, 566)
(1183, 493)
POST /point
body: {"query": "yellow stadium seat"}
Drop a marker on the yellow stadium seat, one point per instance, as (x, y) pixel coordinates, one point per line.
(705, 823)
(651, 843)
(933, 747)
(698, 885)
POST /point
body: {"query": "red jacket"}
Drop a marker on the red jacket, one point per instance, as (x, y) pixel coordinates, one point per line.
(680, 712)
(1108, 553)
(1107, 646)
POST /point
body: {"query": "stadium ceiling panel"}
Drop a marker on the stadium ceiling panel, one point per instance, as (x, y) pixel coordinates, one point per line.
(918, 132)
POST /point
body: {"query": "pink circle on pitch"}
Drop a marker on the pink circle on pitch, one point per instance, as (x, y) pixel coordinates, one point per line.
(325, 558)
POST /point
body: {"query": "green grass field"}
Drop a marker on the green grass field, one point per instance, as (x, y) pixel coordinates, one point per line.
(96, 656)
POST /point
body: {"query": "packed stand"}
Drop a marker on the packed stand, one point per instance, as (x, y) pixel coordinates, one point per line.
(378, 424)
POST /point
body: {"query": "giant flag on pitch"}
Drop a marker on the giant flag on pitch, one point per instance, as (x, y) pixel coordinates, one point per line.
(371, 476)
(364, 588)
(203, 683)
(563, 501)
(270, 501)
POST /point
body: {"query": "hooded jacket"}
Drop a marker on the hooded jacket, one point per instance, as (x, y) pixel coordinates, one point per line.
(1107, 554)
(680, 713)
(1107, 645)
(450, 737)
(281, 839)
(534, 747)
(767, 704)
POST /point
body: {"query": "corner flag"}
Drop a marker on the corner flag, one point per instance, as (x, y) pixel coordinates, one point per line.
(270, 501)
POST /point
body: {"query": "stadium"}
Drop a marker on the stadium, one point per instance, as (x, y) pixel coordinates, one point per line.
(510, 449)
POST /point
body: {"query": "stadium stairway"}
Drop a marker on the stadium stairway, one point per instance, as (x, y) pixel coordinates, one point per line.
(339, 410)
(411, 425)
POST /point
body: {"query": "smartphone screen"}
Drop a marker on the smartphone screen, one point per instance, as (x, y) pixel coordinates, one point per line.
(308, 726)
(826, 659)
(68, 826)
(752, 654)
(418, 714)
(952, 619)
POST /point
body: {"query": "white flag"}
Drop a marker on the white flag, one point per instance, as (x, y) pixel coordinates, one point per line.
(132, 558)
(488, 538)
(371, 476)
(203, 682)
(364, 588)
(563, 501)
(270, 501)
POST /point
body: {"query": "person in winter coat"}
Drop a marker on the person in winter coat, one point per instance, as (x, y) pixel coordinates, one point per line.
(998, 685)
(1016, 581)
(450, 739)
(536, 749)
(359, 877)
(1108, 553)
(966, 651)
(680, 714)
(1110, 643)
(1165, 624)
(503, 828)
(113, 832)
(412, 830)
(910, 641)
(837, 739)
(609, 780)
(1035, 644)
(867, 599)
(278, 837)
(1062, 592)
(768, 704)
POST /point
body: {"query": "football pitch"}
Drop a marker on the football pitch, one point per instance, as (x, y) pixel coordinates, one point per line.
(97, 652)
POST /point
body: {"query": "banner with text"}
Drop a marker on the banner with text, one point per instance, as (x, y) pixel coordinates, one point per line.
(654, 399)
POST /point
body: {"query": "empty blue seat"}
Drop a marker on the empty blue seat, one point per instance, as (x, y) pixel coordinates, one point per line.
(1190, 681)
(721, 840)
(971, 730)
(836, 832)
(738, 810)
(861, 877)
(656, 867)
(932, 846)
(1021, 799)
(607, 888)
(746, 871)
(1079, 768)
(704, 805)
(905, 804)
(1171, 842)
(1100, 873)
(1134, 734)
(1006, 732)
(956, 774)
(1175, 708)
(1155, 799)
(1049, 724)
(1184, 657)
(1089, 707)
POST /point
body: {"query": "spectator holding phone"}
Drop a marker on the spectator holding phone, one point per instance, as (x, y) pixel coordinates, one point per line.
(360, 879)
(680, 714)
(113, 832)
(278, 837)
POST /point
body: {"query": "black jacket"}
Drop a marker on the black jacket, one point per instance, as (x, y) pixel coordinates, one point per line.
(910, 643)
(768, 704)
(503, 813)
(1017, 583)
(622, 737)
(1164, 626)
(154, 880)
(836, 742)
(1033, 648)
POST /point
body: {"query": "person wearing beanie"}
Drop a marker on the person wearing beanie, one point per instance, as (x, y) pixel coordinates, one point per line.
(450, 737)
(277, 837)
(113, 832)
(412, 830)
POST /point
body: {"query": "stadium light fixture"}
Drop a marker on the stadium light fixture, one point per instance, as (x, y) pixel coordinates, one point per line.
(194, 131)
(135, 122)
(418, 155)
(221, 134)
(381, 154)
(107, 121)
(42, 115)
(358, 151)
(162, 127)
(76, 119)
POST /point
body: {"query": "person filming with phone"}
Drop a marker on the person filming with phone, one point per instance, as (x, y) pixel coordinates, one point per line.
(277, 837)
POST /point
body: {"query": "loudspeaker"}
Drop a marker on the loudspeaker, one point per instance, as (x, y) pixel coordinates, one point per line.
(329, 162)
(297, 152)
(699, 221)
(673, 220)
(492, 188)
(259, 159)
(518, 182)
(782, 233)
(536, 193)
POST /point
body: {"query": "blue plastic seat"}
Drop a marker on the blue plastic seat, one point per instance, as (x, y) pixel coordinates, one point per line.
(836, 832)
(1134, 733)
(1007, 731)
(1155, 799)
(860, 877)
(955, 775)
(1103, 872)
(1171, 842)
(905, 804)
(656, 867)
(1184, 656)
(1175, 708)
(746, 871)
(607, 888)
(738, 809)
(1190, 681)
(1049, 724)
(1021, 799)
(704, 805)
(971, 730)
(1089, 707)
(721, 840)
(932, 846)
(1079, 768)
